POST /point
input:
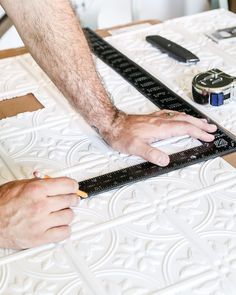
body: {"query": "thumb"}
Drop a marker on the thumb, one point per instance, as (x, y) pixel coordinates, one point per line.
(152, 154)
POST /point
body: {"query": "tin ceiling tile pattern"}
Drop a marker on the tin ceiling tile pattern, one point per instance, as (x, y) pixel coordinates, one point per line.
(173, 234)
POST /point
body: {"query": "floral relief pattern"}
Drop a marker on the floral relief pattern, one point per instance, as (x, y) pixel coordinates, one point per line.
(173, 234)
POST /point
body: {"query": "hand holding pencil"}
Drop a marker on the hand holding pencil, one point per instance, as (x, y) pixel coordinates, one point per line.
(79, 193)
(37, 211)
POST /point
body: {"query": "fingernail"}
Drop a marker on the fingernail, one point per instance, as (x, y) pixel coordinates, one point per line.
(163, 161)
(213, 126)
(211, 137)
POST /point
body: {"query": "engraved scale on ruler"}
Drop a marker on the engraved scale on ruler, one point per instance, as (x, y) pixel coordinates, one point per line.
(162, 97)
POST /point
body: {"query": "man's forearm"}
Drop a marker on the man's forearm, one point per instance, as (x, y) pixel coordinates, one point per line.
(56, 41)
(53, 35)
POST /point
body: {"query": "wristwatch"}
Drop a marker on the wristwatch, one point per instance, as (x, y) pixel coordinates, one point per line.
(213, 86)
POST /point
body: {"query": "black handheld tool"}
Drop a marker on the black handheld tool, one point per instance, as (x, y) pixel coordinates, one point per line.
(172, 49)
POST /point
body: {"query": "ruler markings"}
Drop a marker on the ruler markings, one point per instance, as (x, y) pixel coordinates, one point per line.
(164, 98)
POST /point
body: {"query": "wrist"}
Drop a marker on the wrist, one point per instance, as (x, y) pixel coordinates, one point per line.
(114, 127)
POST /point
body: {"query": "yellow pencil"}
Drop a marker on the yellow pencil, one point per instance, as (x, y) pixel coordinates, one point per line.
(79, 193)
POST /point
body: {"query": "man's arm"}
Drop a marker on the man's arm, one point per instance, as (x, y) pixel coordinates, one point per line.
(53, 35)
(56, 41)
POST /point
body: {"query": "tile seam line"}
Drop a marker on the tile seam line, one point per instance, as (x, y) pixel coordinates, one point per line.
(183, 284)
(198, 243)
(93, 284)
(33, 129)
(194, 239)
(10, 164)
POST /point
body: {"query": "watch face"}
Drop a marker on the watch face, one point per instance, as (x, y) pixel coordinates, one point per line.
(213, 79)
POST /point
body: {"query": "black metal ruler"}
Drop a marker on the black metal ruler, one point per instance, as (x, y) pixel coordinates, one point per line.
(162, 97)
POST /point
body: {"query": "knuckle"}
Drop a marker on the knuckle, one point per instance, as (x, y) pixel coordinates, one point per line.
(34, 187)
(71, 183)
(67, 232)
(37, 208)
(70, 200)
(159, 122)
(186, 116)
(73, 200)
(191, 117)
(35, 231)
(69, 215)
(61, 233)
(186, 126)
(192, 131)
(130, 144)
(183, 117)
(155, 121)
(135, 141)
(149, 152)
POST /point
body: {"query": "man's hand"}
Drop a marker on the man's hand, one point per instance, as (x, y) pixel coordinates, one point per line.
(35, 212)
(47, 27)
(133, 134)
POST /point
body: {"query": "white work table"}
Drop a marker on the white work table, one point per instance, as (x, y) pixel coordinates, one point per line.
(173, 234)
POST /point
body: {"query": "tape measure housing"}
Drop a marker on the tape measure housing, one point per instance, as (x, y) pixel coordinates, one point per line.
(213, 87)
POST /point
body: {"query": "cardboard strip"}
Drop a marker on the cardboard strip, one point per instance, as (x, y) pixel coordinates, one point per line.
(12, 52)
(17, 105)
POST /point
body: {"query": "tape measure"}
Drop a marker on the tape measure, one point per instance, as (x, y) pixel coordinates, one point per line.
(162, 97)
(213, 87)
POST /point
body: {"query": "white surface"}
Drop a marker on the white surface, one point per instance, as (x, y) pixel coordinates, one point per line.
(10, 39)
(166, 9)
(128, 29)
(107, 13)
(174, 234)
(2, 12)
(103, 13)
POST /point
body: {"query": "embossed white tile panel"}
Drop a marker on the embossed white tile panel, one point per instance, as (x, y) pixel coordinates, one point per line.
(174, 234)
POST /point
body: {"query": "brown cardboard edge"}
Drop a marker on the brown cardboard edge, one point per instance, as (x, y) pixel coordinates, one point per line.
(105, 32)
(12, 52)
(231, 159)
(17, 105)
(102, 32)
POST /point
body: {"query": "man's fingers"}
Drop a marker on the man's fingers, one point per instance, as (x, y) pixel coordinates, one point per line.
(57, 234)
(60, 186)
(179, 116)
(60, 218)
(60, 202)
(170, 128)
(182, 128)
(152, 154)
(202, 124)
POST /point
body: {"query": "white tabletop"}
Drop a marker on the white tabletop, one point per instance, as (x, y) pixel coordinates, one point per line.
(174, 234)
